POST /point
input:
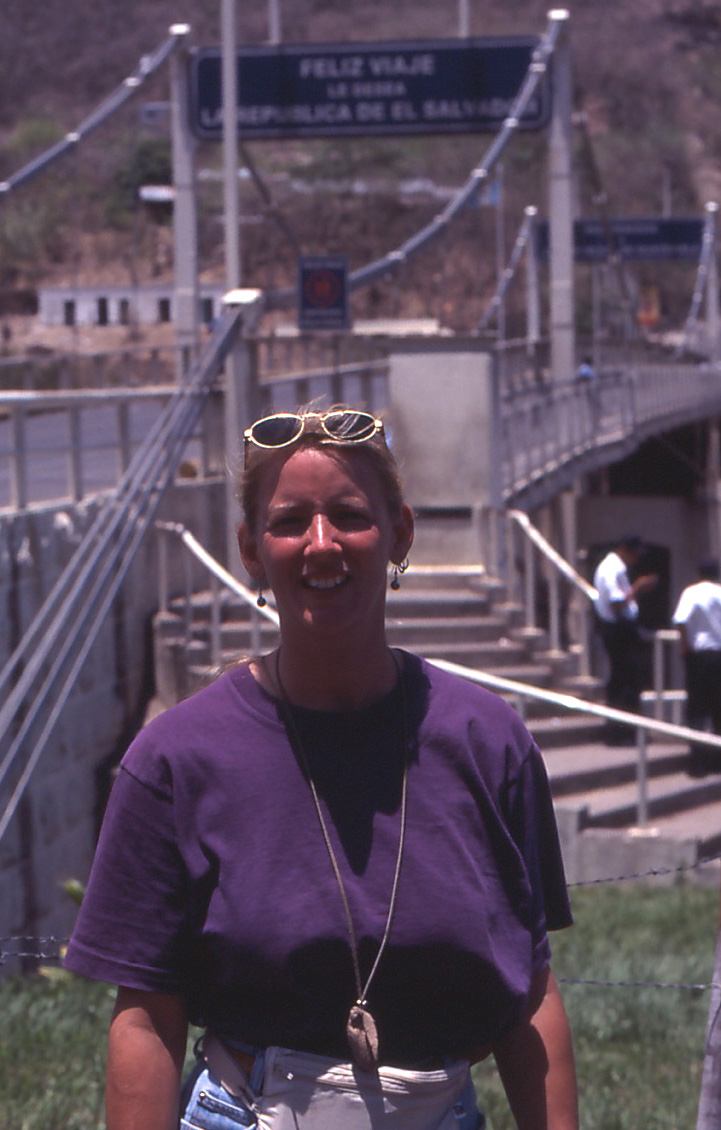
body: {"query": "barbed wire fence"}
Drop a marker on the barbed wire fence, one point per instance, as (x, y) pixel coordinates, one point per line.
(49, 947)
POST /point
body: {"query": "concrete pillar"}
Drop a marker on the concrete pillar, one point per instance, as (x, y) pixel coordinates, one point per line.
(563, 346)
(444, 424)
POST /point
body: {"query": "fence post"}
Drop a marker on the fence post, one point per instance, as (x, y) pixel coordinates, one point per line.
(709, 1109)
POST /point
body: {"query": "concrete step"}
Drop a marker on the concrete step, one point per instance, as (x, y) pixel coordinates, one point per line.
(616, 806)
(505, 662)
(590, 767)
(566, 732)
(408, 630)
(701, 823)
(438, 602)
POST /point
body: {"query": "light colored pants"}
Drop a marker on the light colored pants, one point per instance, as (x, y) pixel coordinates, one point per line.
(295, 1091)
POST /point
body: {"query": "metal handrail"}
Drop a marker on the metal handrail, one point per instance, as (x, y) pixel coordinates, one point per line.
(552, 555)
(511, 687)
(639, 722)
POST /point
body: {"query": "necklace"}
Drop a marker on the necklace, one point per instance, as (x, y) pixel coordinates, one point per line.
(361, 1028)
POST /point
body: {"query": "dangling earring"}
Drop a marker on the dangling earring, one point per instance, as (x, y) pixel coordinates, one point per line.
(398, 571)
(260, 599)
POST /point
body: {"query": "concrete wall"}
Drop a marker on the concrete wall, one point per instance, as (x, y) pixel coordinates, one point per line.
(52, 836)
(443, 417)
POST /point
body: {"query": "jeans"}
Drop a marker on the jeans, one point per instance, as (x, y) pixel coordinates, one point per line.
(206, 1105)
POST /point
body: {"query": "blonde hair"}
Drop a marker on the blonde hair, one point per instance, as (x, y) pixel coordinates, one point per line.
(375, 451)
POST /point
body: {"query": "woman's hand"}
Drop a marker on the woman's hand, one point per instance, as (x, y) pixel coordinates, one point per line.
(535, 1062)
(146, 1050)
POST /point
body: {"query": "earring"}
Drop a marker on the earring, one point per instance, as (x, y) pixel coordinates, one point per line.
(398, 571)
(260, 599)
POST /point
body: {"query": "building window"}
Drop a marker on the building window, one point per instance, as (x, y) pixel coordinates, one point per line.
(69, 312)
(102, 311)
(206, 310)
(163, 309)
(124, 311)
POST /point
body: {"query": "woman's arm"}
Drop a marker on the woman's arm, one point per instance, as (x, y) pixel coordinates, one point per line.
(146, 1050)
(536, 1065)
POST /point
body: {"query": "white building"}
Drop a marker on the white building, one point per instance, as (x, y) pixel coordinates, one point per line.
(146, 305)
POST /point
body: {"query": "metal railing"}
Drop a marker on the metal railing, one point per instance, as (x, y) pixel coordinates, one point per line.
(643, 726)
(218, 576)
(552, 432)
(519, 692)
(567, 601)
(70, 444)
(39, 677)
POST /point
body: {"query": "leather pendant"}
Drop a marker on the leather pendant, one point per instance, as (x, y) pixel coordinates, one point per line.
(362, 1038)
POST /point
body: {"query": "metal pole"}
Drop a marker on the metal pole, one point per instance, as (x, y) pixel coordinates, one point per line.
(563, 347)
(713, 473)
(501, 255)
(236, 368)
(185, 224)
(642, 775)
(712, 287)
(230, 144)
(275, 35)
(533, 299)
(464, 21)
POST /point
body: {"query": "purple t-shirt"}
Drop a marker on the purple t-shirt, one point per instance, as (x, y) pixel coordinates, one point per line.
(212, 879)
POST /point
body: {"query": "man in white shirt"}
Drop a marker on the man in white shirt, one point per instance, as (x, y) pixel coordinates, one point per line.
(617, 613)
(698, 617)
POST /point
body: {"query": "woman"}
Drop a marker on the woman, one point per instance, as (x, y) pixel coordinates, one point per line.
(335, 849)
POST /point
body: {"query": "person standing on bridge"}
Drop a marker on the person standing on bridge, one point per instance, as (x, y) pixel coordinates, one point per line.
(698, 618)
(617, 615)
(339, 860)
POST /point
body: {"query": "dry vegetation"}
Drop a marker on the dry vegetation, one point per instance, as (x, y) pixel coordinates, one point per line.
(648, 77)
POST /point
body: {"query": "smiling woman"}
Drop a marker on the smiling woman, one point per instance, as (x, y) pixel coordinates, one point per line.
(339, 861)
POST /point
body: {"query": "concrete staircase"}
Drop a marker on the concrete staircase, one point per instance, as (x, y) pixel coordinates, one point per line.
(464, 618)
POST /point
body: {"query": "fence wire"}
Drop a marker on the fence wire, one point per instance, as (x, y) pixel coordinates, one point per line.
(45, 948)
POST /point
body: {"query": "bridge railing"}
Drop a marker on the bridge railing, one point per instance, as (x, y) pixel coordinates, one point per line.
(67, 445)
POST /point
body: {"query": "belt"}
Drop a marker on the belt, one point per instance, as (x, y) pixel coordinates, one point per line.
(233, 1067)
(230, 1067)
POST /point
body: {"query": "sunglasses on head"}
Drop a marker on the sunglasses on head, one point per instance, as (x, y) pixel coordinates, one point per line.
(344, 425)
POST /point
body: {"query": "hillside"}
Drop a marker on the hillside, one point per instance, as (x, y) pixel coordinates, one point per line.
(648, 76)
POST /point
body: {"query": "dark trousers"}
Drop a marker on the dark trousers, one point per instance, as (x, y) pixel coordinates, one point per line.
(624, 648)
(703, 704)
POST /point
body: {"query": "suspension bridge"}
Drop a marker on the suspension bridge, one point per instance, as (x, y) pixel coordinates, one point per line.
(85, 473)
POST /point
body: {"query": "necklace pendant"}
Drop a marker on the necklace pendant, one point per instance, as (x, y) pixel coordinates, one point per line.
(362, 1038)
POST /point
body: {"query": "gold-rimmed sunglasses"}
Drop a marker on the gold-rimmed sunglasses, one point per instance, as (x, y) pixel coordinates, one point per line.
(341, 425)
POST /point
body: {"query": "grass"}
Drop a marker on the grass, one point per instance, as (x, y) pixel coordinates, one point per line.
(639, 1049)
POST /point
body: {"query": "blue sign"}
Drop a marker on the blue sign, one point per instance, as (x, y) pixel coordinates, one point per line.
(633, 240)
(354, 89)
(323, 293)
